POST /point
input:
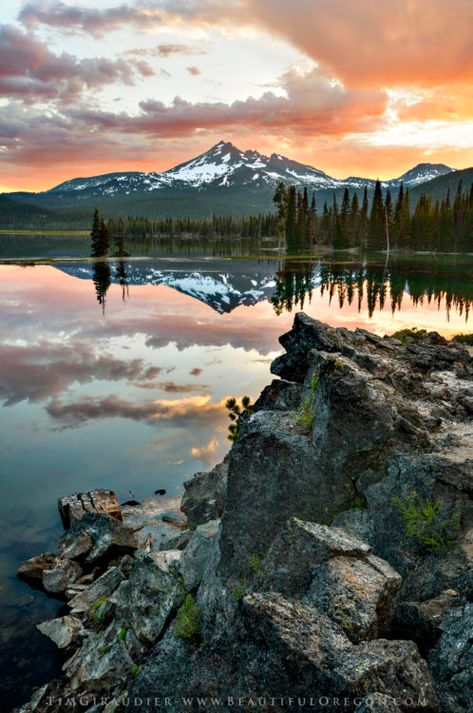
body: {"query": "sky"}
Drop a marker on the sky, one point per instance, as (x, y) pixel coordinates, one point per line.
(350, 87)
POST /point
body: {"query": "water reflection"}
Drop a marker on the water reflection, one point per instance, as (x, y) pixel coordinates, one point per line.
(115, 374)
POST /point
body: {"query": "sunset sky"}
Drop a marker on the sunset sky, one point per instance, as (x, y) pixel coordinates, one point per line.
(352, 87)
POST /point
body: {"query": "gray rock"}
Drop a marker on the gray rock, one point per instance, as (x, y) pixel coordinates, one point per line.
(53, 573)
(273, 475)
(280, 395)
(193, 562)
(64, 631)
(76, 547)
(278, 645)
(335, 573)
(204, 495)
(110, 538)
(451, 661)
(358, 522)
(102, 664)
(32, 570)
(73, 507)
(422, 621)
(102, 588)
(146, 600)
(175, 541)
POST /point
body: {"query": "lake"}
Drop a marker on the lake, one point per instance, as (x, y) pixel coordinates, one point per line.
(114, 374)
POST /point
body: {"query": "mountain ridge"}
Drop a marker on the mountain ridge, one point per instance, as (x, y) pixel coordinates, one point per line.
(221, 181)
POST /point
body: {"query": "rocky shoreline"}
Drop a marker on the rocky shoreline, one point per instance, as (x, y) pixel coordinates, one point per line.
(326, 564)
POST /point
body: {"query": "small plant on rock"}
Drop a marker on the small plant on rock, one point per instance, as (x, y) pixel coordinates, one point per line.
(187, 624)
(121, 635)
(409, 335)
(305, 414)
(236, 413)
(426, 522)
(255, 563)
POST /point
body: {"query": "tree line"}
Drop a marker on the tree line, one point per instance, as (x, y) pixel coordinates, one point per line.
(384, 223)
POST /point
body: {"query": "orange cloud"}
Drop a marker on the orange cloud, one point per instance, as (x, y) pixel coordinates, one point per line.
(382, 43)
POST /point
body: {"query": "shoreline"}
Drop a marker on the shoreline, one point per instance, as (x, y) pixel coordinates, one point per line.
(309, 526)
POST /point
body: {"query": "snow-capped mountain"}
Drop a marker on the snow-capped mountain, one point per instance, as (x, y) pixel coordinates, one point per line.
(224, 286)
(224, 166)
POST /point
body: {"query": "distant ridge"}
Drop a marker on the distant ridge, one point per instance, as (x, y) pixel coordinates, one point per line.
(223, 180)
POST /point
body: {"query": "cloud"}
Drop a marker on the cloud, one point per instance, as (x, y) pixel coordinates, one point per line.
(193, 71)
(78, 20)
(382, 43)
(195, 372)
(37, 372)
(29, 71)
(207, 452)
(182, 411)
(167, 50)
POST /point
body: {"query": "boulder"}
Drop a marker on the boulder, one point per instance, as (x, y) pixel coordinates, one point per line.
(61, 575)
(204, 495)
(53, 573)
(64, 631)
(334, 572)
(73, 507)
(278, 645)
(146, 600)
(32, 570)
(273, 475)
(102, 664)
(422, 621)
(194, 559)
(175, 541)
(280, 395)
(109, 537)
(101, 589)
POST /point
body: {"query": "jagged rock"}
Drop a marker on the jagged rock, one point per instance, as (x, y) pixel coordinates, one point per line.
(102, 588)
(273, 475)
(358, 522)
(110, 538)
(32, 570)
(52, 572)
(194, 558)
(167, 560)
(74, 548)
(422, 621)
(63, 631)
(306, 334)
(433, 478)
(451, 661)
(280, 395)
(73, 507)
(204, 495)
(278, 645)
(173, 541)
(146, 600)
(334, 572)
(102, 663)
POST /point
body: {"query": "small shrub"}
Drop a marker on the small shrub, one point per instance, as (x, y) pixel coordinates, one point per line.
(135, 670)
(409, 335)
(105, 649)
(314, 382)
(237, 412)
(426, 523)
(464, 339)
(121, 635)
(255, 563)
(97, 615)
(305, 414)
(239, 588)
(187, 624)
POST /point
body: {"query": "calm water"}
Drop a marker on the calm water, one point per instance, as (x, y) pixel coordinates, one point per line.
(114, 374)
